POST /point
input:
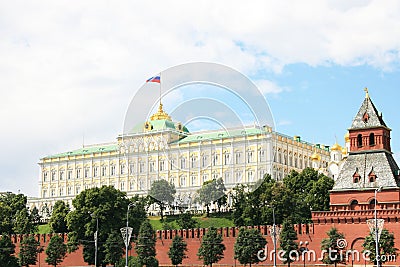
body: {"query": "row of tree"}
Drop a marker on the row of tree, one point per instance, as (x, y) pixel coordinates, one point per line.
(29, 250)
(292, 199)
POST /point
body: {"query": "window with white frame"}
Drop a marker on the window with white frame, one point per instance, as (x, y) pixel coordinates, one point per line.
(238, 176)
(77, 189)
(103, 170)
(78, 173)
(183, 180)
(193, 162)
(86, 172)
(61, 191)
(95, 171)
(194, 180)
(53, 175)
(183, 163)
(53, 192)
(151, 166)
(141, 167)
(122, 186)
(61, 175)
(261, 155)
(237, 158)
(69, 175)
(45, 174)
(112, 170)
(131, 168)
(162, 165)
(227, 178)
(250, 176)
(215, 159)
(226, 158)
(204, 161)
(44, 194)
(122, 169)
(69, 190)
(131, 185)
(249, 156)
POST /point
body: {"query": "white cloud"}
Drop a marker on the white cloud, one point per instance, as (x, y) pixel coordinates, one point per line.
(68, 69)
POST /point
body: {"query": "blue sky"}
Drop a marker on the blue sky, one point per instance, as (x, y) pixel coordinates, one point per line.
(68, 71)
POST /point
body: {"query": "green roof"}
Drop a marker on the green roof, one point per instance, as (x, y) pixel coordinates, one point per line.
(220, 134)
(157, 125)
(86, 150)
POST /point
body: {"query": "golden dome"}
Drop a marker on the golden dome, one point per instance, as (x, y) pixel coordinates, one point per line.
(347, 137)
(344, 151)
(160, 114)
(336, 147)
(315, 156)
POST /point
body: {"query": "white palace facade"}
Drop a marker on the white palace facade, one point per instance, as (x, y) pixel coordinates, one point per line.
(163, 149)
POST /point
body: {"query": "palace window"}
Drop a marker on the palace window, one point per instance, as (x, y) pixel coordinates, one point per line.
(151, 166)
(194, 182)
(95, 171)
(122, 168)
(162, 165)
(204, 178)
(172, 164)
(226, 158)
(53, 192)
(45, 174)
(249, 156)
(131, 185)
(61, 191)
(204, 161)
(237, 158)
(227, 178)
(69, 175)
(77, 189)
(61, 175)
(78, 173)
(44, 194)
(53, 175)
(183, 181)
(69, 190)
(261, 155)
(238, 176)
(193, 162)
(86, 172)
(215, 159)
(103, 171)
(183, 163)
(131, 168)
(112, 169)
(141, 167)
(250, 176)
(122, 186)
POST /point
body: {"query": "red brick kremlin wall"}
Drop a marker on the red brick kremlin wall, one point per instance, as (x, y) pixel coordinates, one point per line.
(354, 229)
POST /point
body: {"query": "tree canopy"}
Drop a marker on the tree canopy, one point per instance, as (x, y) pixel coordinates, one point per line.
(177, 251)
(56, 251)
(58, 222)
(211, 249)
(29, 250)
(210, 192)
(146, 245)
(108, 206)
(386, 246)
(247, 245)
(287, 240)
(163, 194)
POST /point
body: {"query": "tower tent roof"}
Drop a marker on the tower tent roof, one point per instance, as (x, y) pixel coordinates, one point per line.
(367, 116)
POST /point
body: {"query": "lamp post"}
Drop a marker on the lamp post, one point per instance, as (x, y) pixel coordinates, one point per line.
(274, 229)
(95, 238)
(127, 235)
(376, 229)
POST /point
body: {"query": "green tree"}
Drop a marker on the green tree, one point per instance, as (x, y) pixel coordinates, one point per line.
(386, 246)
(146, 245)
(186, 221)
(23, 222)
(58, 222)
(247, 245)
(114, 247)
(7, 250)
(56, 251)
(163, 194)
(334, 254)
(177, 251)
(288, 242)
(318, 196)
(210, 192)
(211, 249)
(35, 216)
(239, 202)
(101, 204)
(29, 250)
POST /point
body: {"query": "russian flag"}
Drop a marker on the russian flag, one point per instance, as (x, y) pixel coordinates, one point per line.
(155, 79)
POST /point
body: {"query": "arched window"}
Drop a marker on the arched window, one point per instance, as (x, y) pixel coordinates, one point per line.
(353, 204)
(359, 140)
(356, 177)
(372, 204)
(371, 139)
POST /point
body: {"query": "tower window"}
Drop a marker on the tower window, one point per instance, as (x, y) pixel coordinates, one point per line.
(365, 117)
(371, 139)
(359, 140)
(353, 204)
(372, 176)
(356, 177)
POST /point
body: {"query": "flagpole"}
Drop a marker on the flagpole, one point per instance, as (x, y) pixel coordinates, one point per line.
(160, 88)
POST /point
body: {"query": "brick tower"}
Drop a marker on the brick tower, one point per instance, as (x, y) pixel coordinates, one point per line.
(370, 165)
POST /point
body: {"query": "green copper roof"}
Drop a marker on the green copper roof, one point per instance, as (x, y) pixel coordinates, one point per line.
(157, 125)
(220, 134)
(86, 150)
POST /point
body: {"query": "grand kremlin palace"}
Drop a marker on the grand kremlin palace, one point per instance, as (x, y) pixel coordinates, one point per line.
(163, 149)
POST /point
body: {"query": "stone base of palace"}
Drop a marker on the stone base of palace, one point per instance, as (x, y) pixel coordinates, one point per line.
(352, 225)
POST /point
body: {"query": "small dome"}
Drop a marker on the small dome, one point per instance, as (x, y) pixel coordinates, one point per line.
(344, 151)
(315, 156)
(336, 147)
(347, 137)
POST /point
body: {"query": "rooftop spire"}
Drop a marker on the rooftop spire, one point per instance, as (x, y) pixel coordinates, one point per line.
(366, 92)
(160, 114)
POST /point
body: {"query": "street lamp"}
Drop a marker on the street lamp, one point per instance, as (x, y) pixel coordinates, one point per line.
(376, 229)
(95, 238)
(127, 234)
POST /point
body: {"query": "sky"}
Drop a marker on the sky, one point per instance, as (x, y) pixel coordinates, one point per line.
(68, 70)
